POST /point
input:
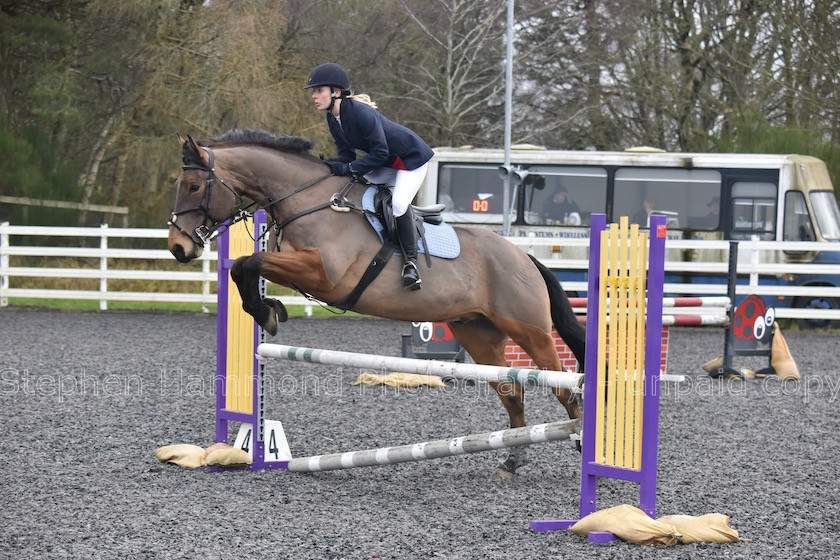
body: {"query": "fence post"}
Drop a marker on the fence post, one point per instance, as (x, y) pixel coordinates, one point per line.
(205, 283)
(103, 268)
(755, 259)
(4, 263)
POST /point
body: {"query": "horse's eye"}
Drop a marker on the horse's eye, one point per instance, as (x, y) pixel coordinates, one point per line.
(194, 188)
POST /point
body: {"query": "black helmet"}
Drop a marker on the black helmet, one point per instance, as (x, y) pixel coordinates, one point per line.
(329, 74)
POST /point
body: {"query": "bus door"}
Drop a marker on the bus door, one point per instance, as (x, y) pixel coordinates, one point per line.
(753, 210)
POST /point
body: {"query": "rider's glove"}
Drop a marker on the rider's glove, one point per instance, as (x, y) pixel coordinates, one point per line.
(339, 168)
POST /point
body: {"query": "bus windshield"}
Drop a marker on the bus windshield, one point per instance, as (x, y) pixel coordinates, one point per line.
(827, 214)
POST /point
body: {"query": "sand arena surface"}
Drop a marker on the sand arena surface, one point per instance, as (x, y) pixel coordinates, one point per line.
(85, 398)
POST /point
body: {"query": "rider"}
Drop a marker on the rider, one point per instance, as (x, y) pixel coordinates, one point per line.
(394, 154)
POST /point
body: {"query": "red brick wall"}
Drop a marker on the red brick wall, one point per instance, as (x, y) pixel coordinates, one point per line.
(518, 358)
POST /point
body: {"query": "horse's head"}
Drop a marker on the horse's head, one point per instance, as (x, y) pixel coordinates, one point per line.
(203, 202)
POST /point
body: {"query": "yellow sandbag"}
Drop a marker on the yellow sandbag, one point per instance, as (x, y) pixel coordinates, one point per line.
(713, 365)
(710, 528)
(628, 523)
(781, 358)
(182, 454)
(399, 379)
(214, 447)
(223, 455)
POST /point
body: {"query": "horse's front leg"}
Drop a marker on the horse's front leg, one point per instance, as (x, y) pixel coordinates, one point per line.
(293, 268)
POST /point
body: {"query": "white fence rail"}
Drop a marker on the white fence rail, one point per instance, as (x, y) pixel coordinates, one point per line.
(755, 258)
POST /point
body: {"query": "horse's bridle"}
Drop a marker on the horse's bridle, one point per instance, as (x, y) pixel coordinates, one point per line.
(204, 233)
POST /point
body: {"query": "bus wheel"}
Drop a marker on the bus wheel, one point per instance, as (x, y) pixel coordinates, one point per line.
(824, 303)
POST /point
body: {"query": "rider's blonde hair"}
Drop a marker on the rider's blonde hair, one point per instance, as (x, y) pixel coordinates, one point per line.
(363, 98)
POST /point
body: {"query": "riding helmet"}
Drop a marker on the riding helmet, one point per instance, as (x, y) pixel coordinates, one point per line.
(329, 74)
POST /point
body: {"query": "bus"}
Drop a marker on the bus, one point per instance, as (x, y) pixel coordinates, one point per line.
(703, 196)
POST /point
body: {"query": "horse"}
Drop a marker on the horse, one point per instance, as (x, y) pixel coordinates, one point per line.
(490, 292)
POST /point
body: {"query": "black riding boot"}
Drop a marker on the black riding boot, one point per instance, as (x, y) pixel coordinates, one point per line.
(407, 233)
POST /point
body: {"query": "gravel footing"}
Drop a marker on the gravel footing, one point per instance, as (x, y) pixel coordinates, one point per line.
(85, 398)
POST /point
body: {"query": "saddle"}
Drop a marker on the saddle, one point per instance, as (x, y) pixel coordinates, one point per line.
(422, 214)
(383, 210)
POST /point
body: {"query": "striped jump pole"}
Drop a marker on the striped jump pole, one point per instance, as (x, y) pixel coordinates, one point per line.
(621, 396)
(547, 378)
(475, 443)
(240, 367)
(672, 302)
(683, 311)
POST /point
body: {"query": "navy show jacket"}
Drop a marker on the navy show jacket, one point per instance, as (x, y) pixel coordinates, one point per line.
(386, 143)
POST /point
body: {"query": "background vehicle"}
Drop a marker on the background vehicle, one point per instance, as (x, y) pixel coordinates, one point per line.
(783, 198)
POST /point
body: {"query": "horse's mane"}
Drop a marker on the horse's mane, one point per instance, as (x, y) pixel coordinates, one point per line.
(259, 137)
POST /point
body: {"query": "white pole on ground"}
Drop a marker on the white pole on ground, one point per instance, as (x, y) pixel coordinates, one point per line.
(475, 443)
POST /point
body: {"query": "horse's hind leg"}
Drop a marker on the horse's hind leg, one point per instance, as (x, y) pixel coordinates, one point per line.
(539, 345)
(486, 345)
(245, 272)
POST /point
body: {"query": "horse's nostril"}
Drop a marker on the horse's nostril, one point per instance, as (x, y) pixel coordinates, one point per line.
(179, 253)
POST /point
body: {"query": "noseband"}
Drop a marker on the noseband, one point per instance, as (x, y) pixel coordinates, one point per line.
(204, 233)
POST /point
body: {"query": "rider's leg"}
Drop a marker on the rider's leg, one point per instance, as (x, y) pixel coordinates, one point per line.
(406, 185)
(382, 176)
(407, 232)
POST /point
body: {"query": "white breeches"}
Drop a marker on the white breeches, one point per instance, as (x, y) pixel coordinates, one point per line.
(406, 184)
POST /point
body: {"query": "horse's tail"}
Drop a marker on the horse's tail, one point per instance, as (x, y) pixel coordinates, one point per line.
(562, 315)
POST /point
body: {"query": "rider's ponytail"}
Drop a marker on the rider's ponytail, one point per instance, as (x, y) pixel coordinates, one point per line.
(363, 98)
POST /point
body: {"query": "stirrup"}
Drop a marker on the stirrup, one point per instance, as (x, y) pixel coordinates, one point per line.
(411, 276)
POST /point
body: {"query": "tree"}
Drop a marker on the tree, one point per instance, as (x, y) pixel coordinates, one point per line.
(451, 71)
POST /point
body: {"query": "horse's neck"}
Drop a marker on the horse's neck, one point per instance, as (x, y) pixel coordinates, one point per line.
(262, 176)
(263, 173)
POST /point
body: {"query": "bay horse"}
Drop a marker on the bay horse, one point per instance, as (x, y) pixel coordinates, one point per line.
(491, 292)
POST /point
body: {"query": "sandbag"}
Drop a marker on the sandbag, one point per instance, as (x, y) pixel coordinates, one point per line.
(628, 523)
(181, 454)
(214, 447)
(223, 455)
(710, 528)
(714, 364)
(399, 379)
(781, 358)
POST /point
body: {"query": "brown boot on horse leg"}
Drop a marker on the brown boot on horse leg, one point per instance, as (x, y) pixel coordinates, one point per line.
(407, 232)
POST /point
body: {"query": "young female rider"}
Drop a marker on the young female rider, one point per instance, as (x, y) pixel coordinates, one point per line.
(394, 154)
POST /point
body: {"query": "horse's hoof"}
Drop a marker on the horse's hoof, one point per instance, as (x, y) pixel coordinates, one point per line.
(505, 474)
(270, 326)
(274, 312)
(507, 469)
(279, 309)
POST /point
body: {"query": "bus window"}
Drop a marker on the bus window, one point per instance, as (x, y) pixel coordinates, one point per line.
(797, 225)
(471, 193)
(564, 195)
(827, 214)
(753, 210)
(682, 195)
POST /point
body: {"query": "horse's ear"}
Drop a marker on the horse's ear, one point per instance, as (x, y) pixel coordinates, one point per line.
(195, 149)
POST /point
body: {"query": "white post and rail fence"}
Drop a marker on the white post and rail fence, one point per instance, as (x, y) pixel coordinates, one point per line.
(94, 253)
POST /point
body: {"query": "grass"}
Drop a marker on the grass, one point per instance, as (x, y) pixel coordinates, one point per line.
(93, 305)
(116, 285)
